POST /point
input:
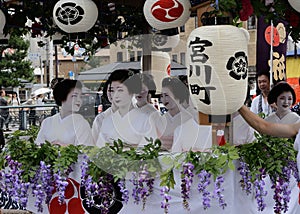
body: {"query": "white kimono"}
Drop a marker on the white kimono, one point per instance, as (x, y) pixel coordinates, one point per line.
(97, 124)
(191, 136)
(291, 117)
(131, 128)
(73, 129)
(167, 126)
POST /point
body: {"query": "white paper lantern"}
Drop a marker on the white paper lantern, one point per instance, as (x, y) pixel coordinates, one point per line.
(75, 15)
(164, 14)
(295, 4)
(2, 21)
(218, 68)
(166, 39)
(160, 67)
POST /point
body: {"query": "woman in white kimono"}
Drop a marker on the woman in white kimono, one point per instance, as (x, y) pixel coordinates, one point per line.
(173, 93)
(143, 99)
(284, 96)
(129, 124)
(97, 124)
(66, 128)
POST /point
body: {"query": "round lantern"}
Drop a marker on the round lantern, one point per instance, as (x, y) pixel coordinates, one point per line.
(160, 67)
(2, 21)
(295, 4)
(75, 15)
(166, 39)
(218, 68)
(164, 14)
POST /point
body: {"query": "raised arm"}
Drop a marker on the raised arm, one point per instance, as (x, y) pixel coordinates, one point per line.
(264, 127)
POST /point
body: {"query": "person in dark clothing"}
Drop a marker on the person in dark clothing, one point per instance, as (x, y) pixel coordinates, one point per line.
(4, 113)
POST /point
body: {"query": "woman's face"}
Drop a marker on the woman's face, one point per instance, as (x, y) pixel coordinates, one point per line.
(120, 94)
(143, 95)
(284, 101)
(168, 99)
(73, 101)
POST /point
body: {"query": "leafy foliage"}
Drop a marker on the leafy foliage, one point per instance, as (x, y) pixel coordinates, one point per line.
(268, 153)
(13, 65)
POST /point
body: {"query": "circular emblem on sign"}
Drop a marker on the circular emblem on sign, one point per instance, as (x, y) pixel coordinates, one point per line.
(74, 16)
(69, 13)
(166, 14)
(276, 36)
(167, 11)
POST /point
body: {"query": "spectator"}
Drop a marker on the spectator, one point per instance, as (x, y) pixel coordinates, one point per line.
(260, 103)
(4, 113)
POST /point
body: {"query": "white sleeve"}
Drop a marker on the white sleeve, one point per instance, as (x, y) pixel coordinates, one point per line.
(41, 135)
(297, 142)
(254, 107)
(97, 126)
(176, 147)
(83, 133)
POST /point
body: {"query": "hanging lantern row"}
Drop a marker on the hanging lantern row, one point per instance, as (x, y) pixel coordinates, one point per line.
(74, 16)
(164, 14)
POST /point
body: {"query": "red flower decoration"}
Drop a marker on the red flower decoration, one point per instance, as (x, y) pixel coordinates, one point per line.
(293, 18)
(246, 11)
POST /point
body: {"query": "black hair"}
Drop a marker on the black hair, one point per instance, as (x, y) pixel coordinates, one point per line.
(278, 89)
(63, 88)
(127, 77)
(177, 87)
(260, 73)
(148, 80)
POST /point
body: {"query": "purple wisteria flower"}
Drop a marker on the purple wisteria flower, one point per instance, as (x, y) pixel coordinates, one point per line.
(90, 187)
(123, 190)
(165, 204)
(218, 191)
(143, 185)
(46, 180)
(246, 177)
(61, 184)
(204, 181)
(106, 191)
(186, 183)
(282, 191)
(13, 183)
(260, 193)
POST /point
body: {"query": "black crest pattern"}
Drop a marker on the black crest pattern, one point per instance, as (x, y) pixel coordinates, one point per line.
(238, 65)
(69, 13)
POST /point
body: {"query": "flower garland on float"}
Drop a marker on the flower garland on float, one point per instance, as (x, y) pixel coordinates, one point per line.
(27, 168)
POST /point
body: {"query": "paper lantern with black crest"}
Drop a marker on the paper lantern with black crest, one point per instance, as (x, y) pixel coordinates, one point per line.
(166, 39)
(76, 15)
(165, 14)
(218, 68)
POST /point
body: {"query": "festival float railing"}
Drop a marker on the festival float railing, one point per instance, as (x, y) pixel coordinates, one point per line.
(146, 177)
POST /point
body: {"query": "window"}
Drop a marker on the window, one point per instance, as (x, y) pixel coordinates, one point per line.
(139, 55)
(119, 57)
(131, 55)
(182, 58)
(174, 57)
(182, 28)
(251, 23)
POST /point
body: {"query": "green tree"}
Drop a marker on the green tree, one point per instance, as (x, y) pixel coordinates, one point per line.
(13, 66)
